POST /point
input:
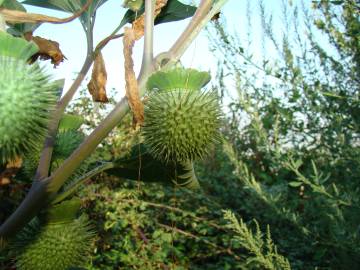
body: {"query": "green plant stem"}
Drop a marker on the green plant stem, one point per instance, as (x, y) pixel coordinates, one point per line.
(42, 191)
(46, 154)
(148, 54)
(78, 182)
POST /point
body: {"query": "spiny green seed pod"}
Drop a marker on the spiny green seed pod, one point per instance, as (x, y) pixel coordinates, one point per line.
(181, 121)
(134, 5)
(60, 243)
(181, 125)
(27, 97)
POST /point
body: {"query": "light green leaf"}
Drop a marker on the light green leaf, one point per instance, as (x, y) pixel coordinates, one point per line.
(295, 184)
(70, 122)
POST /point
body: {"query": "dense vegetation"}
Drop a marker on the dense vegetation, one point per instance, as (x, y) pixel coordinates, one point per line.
(281, 189)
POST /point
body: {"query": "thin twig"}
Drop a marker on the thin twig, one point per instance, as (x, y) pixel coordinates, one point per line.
(16, 16)
(193, 236)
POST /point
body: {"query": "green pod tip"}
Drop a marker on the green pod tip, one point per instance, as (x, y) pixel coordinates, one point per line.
(178, 78)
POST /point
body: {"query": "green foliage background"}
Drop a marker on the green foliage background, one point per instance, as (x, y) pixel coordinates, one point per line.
(287, 170)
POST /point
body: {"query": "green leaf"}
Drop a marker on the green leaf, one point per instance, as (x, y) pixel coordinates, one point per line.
(16, 47)
(12, 4)
(295, 184)
(142, 166)
(1, 2)
(70, 122)
(63, 212)
(70, 6)
(173, 11)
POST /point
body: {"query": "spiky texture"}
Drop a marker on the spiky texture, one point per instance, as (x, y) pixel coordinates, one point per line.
(180, 125)
(27, 97)
(178, 78)
(56, 246)
(15, 47)
(66, 142)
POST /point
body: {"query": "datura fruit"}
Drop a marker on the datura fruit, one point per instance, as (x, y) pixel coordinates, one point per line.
(27, 97)
(56, 241)
(181, 120)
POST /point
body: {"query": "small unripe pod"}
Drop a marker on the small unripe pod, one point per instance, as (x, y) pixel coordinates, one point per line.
(56, 241)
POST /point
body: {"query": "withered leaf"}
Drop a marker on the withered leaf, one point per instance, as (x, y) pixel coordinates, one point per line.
(138, 24)
(10, 171)
(131, 86)
(97, 84)
(48, 49)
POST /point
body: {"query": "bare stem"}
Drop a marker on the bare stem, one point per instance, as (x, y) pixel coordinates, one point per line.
(46, 154)
(42, 191)
(148, 55)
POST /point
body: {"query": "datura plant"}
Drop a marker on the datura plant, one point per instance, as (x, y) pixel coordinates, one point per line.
(181, 121)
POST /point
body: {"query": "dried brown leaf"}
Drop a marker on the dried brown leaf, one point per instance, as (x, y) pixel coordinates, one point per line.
(138, 24)
(10, 171)
(97, 84)
(132, 88)
(48, 49)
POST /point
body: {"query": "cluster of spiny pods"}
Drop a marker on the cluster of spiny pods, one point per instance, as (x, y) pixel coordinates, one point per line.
(181, 123)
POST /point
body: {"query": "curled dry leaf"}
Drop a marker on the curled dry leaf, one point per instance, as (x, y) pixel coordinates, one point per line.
(97, 84)
(132, 88)
(48, 49)
(10, 171)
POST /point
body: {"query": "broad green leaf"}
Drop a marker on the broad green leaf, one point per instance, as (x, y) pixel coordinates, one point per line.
(16, 47)
(70, 122)
(63, 212)
(173, 11)
(142, 166)
(1, 2)
(70, 6)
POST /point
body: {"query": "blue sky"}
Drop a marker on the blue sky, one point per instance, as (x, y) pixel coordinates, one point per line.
(72, 40)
